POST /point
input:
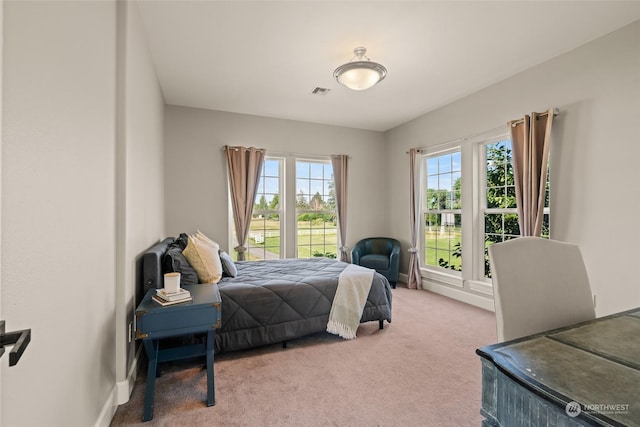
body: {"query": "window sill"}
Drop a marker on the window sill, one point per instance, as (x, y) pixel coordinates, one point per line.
(446, 278)
(481, 287)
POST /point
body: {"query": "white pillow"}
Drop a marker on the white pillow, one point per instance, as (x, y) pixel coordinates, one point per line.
(203, 257)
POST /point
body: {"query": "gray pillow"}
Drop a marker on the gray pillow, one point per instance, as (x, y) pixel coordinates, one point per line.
(228, 266)
(174, 261)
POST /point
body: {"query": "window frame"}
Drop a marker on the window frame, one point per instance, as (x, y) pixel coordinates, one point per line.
(479, 274)
(324, 160)
(473, 201)
(433, 271)
(483, 210)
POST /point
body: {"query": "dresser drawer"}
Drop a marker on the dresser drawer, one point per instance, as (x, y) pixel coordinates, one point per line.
(202, 314)
(170, 321)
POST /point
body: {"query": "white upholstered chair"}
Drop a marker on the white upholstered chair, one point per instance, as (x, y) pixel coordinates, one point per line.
(538, 284)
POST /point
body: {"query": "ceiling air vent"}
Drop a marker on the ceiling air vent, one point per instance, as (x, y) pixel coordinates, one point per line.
(320, 91)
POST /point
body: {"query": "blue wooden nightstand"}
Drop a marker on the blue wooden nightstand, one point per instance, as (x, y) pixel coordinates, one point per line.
(154, 322)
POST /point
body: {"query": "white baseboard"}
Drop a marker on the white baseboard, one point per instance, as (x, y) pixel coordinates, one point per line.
(108, 410)
(403, 278)
(455, 293)
(119, 394)
(125, 388)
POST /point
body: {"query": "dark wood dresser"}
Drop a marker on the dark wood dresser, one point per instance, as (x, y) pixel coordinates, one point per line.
(583, 375)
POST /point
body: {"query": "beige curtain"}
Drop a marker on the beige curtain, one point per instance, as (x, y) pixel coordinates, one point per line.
(530, 141)
(244, 166)
(340, 173)
(414, 280)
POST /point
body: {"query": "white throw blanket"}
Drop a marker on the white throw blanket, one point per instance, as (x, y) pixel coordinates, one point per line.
(353, 288)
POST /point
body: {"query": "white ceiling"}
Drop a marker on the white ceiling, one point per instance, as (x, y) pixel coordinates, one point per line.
(265, 57)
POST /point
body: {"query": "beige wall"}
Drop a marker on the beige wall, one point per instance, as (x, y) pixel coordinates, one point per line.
(82, 197)
(58, 205)
(195, 167)
(594, 157)
(1, 137)
(140, 180)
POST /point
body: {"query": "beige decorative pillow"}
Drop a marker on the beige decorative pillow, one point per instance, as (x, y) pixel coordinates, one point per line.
(200, 235)
(204, 259)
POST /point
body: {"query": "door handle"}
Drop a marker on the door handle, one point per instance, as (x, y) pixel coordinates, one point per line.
(18, 339)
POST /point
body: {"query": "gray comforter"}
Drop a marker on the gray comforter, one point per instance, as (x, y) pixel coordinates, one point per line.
(279, 300)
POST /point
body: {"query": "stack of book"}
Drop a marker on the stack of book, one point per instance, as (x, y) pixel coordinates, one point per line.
(165, 298)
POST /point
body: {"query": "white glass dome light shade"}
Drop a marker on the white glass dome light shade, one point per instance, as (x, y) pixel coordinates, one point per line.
(360, 74)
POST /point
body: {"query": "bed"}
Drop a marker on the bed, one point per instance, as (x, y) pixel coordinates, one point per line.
(275, 301)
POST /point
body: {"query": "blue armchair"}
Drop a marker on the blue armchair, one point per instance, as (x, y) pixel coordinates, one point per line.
(379, 253)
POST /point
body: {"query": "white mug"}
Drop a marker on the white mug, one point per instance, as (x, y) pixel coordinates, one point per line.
(172, 282)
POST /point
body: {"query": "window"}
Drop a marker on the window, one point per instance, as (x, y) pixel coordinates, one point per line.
(294, 212)
(498, 207)
(469, 187)
(265, 230)
(442, 207)
(315, 209)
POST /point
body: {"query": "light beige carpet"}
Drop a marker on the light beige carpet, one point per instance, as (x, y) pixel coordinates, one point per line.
(420, 370)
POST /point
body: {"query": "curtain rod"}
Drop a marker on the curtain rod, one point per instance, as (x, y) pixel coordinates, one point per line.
(465, 138)
(556, 111)
(279, 153)
(234, 148)
(305, 154)
(514, 123)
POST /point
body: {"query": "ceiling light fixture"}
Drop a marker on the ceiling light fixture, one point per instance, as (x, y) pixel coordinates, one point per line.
(361, 73)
